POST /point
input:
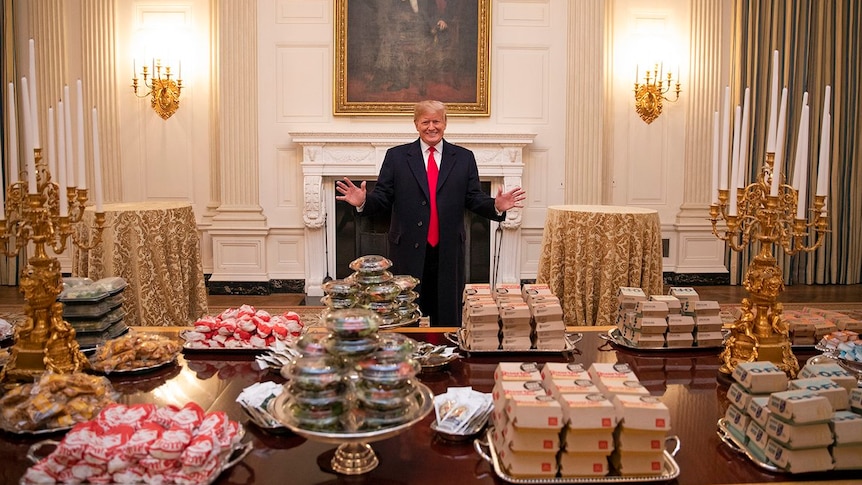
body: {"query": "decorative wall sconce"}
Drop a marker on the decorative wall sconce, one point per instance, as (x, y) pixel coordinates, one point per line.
(649, 95)
(164, 91)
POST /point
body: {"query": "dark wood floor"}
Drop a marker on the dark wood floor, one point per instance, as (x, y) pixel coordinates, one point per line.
(10, 295)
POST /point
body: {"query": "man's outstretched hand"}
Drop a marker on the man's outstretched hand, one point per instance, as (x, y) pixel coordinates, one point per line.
(506, 200)
(350, 193)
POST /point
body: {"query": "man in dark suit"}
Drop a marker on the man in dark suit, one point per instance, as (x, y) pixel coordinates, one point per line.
(426, 245)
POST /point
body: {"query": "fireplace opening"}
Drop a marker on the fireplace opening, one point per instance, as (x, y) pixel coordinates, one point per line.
(359, 236)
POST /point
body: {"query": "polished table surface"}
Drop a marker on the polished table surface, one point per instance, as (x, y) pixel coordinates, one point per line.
(590, 251)
(155, 247)
(687, 382)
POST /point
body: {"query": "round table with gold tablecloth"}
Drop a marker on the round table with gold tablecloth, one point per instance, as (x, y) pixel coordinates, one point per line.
(590, 251)
(155, 247)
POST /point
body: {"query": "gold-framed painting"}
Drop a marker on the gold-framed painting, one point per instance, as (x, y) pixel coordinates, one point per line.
(392, 53)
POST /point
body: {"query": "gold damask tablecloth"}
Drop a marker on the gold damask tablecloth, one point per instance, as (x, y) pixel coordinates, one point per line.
(590, 251)
(155, 247)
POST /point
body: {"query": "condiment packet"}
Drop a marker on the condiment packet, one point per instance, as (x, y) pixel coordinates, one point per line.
(259, 395)
(459, 409)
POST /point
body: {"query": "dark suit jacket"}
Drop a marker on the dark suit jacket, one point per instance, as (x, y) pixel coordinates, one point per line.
(402, 188)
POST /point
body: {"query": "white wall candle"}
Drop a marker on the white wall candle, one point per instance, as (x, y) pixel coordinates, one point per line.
(715, 137)
(81, 159)
(773, 105)
(797, 167)
(779, 144)
(97, 163)
(14, 173)
(823, 163)
(725, 140)
(34, 105)
(29, 156)
(61, 160)
(744, 139)
(734, 166)
(52, 154)
(823, 158)
(70, 149)
(801, 164)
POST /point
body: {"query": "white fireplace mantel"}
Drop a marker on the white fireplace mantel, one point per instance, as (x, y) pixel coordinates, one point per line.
(330, 156)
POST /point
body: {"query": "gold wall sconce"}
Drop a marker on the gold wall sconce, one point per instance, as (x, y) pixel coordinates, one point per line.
(163, 89)
(650, 94)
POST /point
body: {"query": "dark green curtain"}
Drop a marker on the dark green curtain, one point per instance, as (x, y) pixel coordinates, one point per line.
(818, 45)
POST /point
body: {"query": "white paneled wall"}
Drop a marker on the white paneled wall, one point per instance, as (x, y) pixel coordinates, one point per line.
(255, 71)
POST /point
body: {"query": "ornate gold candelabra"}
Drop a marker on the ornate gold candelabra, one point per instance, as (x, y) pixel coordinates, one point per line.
(164, 91)
(759, 333)
(43, 341)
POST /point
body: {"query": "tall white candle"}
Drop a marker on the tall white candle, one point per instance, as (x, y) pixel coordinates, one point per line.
(823, 163)
(14, 173)
(82, 161)
(773, 105)
(70, 148)
(52, 154)
(725, 140)
(715, 135)
(798, 169)
(61, 159)
(29, 156)
(97, 163)
(744, 138)
(779, 144)
(734, 166)
(801, 164)
(34, 106)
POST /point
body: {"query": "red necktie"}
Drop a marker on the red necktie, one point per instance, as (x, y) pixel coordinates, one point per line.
(434, 224)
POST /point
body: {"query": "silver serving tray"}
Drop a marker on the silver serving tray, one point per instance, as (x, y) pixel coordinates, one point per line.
(733, 443)
(135, 371)
(230, 456)
(670, 469)
(424, 404)
(613, 336)
(458, 339)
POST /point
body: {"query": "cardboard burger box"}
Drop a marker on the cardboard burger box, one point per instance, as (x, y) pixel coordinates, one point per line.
(837, 395)
(534, 411)
(800, 406)
(638, 462)
(674, 305)
(797, 436)
(564, 370)
(583, 465)
(642, 412)
(758, 409)
(680, 323)
(760, 377)
(832, 371)
(798, 461)
(517, 371)
(588, 441)
(528, 464)
(528, 439)
(628, 439)
(651, 308)
(588, 411)
(846, 427)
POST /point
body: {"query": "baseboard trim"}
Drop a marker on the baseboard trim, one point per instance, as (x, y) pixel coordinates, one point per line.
(254, 287)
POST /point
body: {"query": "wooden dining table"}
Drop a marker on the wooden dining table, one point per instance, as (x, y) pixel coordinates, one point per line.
(688, 382)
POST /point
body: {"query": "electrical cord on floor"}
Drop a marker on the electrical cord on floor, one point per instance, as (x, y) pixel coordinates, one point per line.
(498, 243)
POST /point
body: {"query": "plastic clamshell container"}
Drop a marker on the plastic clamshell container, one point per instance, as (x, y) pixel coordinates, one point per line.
(100, 324)
(112, 284)
(80, 309)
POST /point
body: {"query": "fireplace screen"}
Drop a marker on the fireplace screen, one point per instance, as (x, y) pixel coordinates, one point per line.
(359, 236)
